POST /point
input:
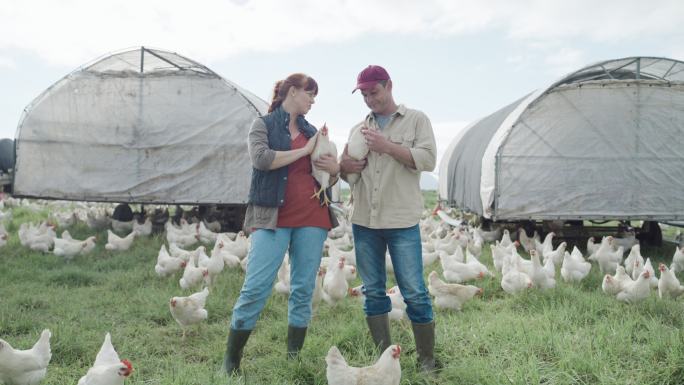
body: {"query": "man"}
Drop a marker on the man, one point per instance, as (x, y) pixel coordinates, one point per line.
(387, 208)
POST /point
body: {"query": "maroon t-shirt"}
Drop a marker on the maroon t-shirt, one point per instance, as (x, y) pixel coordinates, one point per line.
(300, 209)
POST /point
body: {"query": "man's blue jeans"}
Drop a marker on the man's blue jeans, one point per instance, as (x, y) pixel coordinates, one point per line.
(407, 259)
(266, 254)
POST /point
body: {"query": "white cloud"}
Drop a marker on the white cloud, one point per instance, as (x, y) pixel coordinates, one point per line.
(606, 21)
(7, 63)
(676, 53)
(564, 61)
(72, 32)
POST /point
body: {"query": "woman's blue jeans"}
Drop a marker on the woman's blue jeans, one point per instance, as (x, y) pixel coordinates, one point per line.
(266, 254)
(405, 250)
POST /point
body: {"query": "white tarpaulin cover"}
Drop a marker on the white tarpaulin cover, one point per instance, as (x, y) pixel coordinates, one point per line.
(139, 126)
(604, 142)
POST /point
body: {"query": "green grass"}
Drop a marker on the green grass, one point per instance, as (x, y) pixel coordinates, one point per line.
(573, 334)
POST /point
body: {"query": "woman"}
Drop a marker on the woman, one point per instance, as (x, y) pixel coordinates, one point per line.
(282, 215)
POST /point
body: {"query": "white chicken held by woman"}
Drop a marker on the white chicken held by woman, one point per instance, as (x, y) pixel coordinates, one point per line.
(323, 147)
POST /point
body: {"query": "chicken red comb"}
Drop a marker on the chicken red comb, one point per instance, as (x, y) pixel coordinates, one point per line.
(128, 365)
(396, 352)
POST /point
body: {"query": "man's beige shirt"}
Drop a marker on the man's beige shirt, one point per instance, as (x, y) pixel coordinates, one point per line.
(388, 193)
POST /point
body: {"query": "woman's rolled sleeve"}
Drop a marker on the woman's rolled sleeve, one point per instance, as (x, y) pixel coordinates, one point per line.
(261, 155)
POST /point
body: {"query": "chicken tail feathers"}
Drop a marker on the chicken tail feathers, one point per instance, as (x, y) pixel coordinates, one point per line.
(334, 357)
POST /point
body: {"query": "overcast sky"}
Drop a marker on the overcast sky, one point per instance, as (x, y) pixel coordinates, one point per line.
(455, 60)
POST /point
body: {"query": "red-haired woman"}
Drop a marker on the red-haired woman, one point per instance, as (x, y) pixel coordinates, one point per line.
(282, 215)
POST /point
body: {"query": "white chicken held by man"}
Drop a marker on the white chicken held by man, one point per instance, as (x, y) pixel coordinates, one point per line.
(386, 371)
(357, 149)
(108, 369)
(25, 367)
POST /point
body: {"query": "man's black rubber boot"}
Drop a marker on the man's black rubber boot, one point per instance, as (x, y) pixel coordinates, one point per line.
(295, 341)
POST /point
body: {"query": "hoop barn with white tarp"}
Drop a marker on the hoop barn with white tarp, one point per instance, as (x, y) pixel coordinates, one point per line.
(142, 125)
(605, 142)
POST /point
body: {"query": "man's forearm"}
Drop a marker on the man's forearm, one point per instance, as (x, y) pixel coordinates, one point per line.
(402, 155)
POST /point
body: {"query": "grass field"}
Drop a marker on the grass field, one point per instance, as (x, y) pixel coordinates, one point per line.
(573, 334)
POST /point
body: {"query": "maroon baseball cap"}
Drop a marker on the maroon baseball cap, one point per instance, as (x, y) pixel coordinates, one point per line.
(370, 76)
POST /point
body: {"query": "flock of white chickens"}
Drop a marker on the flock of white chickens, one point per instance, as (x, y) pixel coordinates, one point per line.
(456, 247)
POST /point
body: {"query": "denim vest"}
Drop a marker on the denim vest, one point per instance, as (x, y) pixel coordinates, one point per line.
(268, 186)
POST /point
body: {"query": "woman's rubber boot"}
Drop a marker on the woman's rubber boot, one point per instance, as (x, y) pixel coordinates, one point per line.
(236, 342)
